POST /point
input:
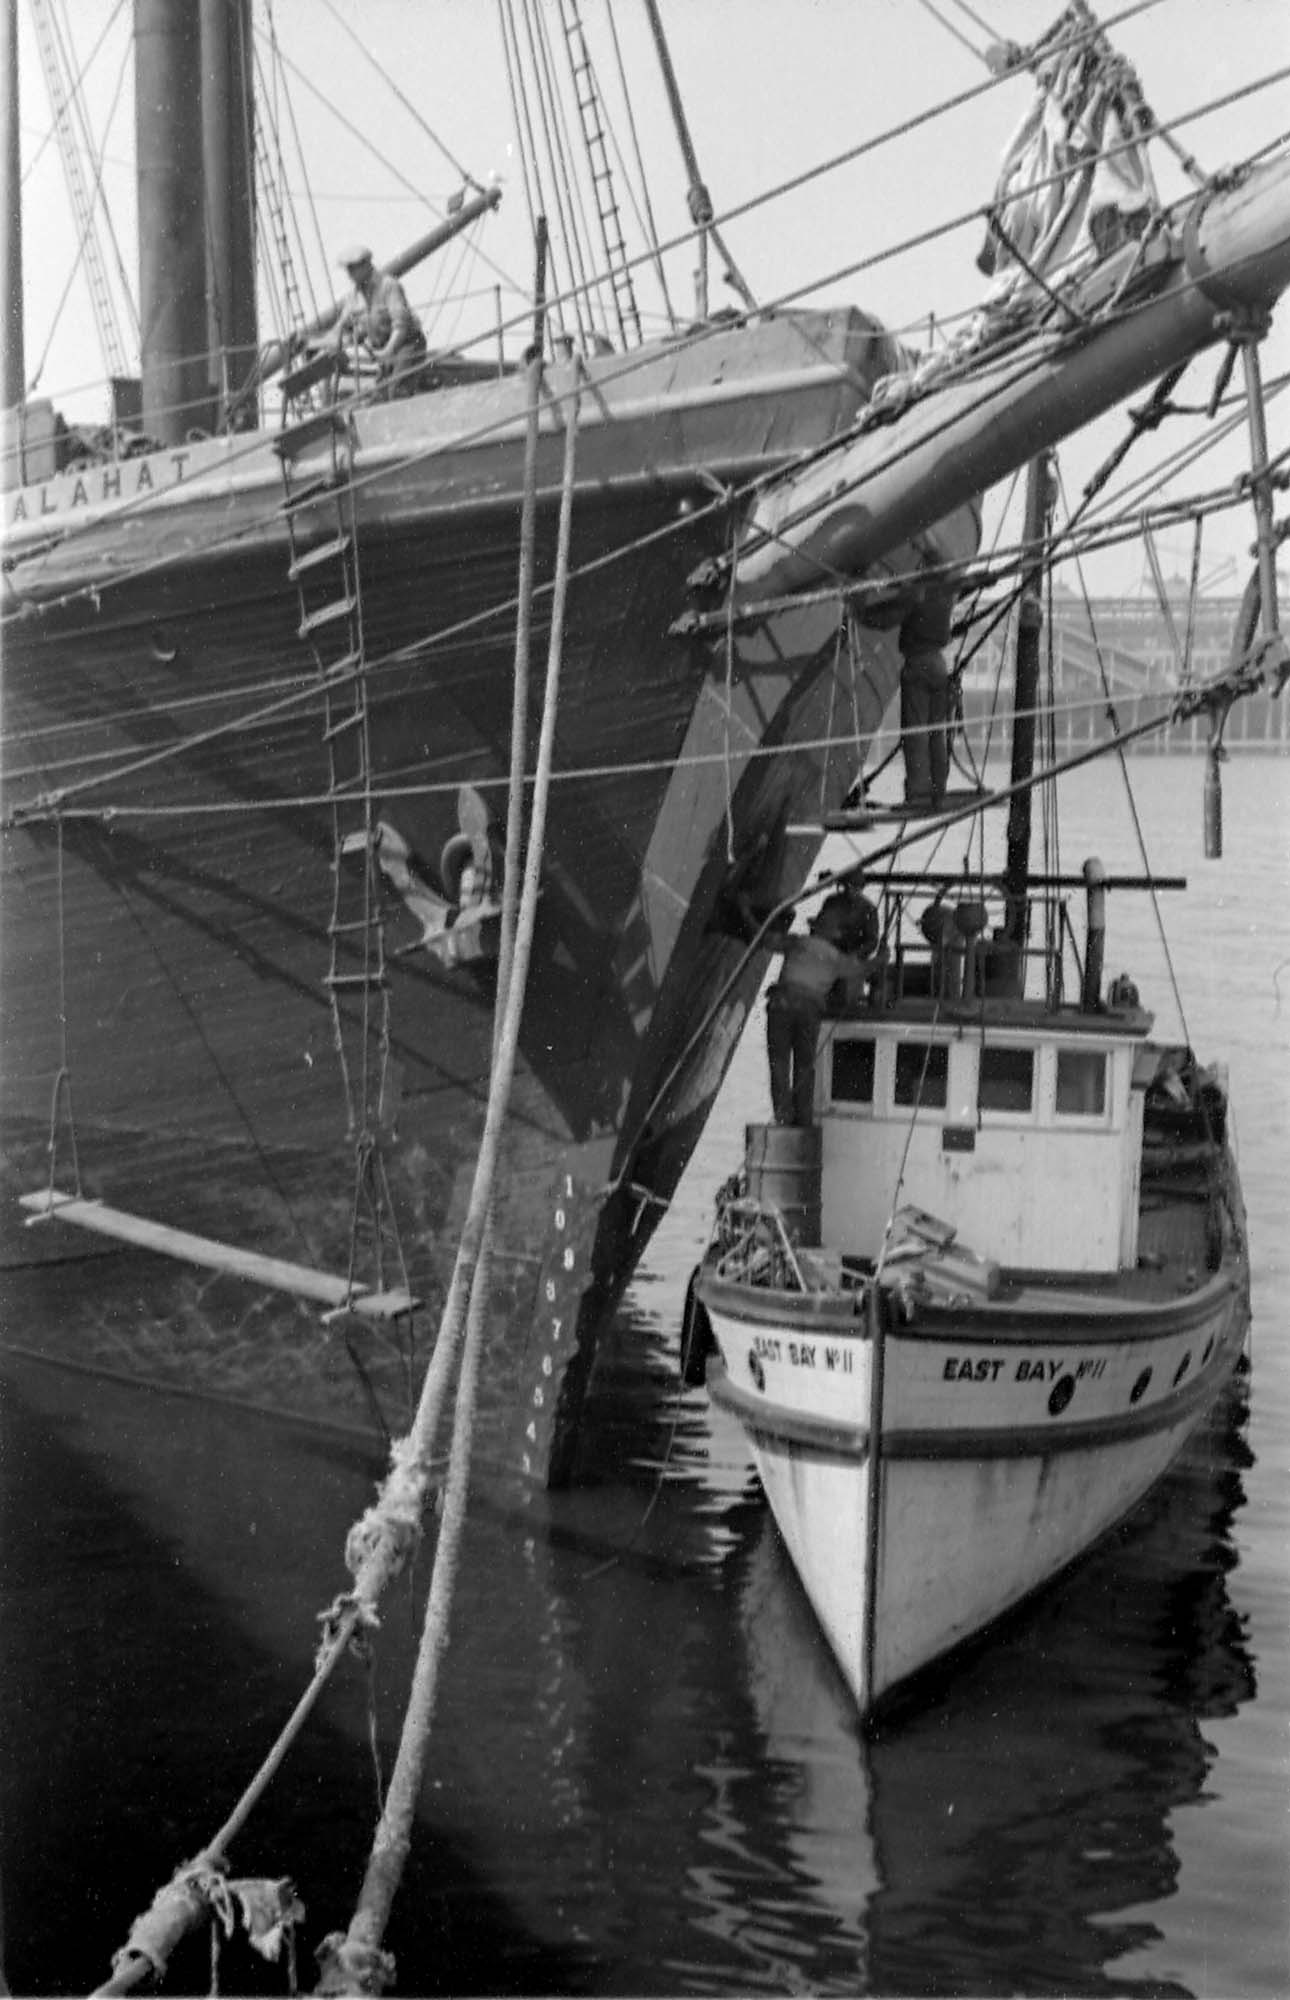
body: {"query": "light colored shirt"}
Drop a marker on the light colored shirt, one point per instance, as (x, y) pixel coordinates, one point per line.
(383, 321)
(811, 966)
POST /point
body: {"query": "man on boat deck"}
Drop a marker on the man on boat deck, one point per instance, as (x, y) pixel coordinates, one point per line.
(834, 961)
(925, 700)
(377, 315)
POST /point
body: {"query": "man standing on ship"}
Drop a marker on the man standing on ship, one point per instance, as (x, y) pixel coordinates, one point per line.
(832, 963)
(925, 700)
(378, 317)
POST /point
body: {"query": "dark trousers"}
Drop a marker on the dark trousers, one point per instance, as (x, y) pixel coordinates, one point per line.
(924, 716)
(792, 1029)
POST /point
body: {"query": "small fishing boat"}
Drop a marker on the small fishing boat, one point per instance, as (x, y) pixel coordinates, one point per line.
(948, 1401)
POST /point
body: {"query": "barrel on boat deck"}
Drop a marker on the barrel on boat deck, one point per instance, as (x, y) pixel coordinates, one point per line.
(782, 1163)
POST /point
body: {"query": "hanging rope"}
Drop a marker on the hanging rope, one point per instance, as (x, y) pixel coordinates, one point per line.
(62, 1091)
(356, 1964)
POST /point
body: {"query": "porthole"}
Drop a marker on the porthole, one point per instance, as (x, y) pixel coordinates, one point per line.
(756, 1370)
(163, 648)
(1140, 1387)
(1209, 1349)
(1062, 1391)
(1182, 1368)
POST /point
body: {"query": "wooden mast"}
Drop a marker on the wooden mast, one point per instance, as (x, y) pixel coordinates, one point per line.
(1030, 625)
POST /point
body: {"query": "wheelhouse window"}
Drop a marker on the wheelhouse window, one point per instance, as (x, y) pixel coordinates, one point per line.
(1006, 1080)
(922, 1074)
(853, 1063)
(1081, 1083)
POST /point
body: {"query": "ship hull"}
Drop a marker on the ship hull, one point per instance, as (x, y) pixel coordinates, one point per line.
(169, 853)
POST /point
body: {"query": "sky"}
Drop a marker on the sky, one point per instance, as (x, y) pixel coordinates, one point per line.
(772, 89)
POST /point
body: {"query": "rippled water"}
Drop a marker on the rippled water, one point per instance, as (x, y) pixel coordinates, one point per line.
(646, 1776)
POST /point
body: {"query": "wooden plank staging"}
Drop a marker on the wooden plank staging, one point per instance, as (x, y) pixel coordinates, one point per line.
(303, 1281)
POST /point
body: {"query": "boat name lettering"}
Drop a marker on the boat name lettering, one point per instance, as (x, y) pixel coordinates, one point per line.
(1042, 1369)
(107, 482)
(971, 1368)
(803, 1354)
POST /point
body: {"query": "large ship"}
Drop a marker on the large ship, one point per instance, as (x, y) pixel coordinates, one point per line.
(258, 692)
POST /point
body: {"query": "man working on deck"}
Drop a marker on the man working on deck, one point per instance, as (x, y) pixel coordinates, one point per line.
(834, 961)
(378, 317)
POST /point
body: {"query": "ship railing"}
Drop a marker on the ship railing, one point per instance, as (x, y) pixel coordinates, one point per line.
(960, 947)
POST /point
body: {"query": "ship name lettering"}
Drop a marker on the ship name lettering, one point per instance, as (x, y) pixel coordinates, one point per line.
(967, 1368)
(839, 1359)
(1089, 1369)
(52, 501)
(768, 1349)
(801, 1355)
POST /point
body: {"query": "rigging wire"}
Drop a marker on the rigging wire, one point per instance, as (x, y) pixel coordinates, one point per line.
(97, 154)
(79, 253)
(1117, 744)
(548, 115)
(291, 206)
(418, 194)
(591, 282)
(645, 222)
(462, 173)
(957, 33)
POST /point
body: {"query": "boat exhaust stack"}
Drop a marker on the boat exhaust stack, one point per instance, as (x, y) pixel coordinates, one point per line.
(1090, 998)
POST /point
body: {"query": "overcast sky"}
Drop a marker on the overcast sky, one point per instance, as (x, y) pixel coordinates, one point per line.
(772, 88)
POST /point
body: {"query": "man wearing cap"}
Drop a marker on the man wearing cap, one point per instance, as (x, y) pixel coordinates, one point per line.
(833, 963)
(378, 317)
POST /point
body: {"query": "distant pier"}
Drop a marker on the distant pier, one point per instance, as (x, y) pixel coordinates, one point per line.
(1129, 641)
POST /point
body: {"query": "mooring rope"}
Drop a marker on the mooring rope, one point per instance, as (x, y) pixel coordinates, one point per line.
(355, 1963)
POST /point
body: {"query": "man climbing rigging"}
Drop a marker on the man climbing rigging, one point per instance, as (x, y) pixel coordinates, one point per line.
(378, 317)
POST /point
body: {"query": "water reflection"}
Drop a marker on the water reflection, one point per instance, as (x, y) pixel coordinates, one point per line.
(646, 1773)
(995, 1837)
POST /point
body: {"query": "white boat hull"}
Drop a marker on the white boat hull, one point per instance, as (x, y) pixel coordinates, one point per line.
(1002, 1455)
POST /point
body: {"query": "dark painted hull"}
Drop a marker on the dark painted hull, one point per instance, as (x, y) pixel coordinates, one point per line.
(190, 931)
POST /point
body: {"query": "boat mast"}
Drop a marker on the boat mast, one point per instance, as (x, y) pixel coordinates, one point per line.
(172, 222)
(1030, 625)
(15, 373)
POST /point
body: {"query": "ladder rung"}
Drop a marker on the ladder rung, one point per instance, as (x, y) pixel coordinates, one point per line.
(349, 666)
(344, 607)
(325, 552)
(347, 722)
(310, 493)
(354, 979)
(355, 925)
(298, 437)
